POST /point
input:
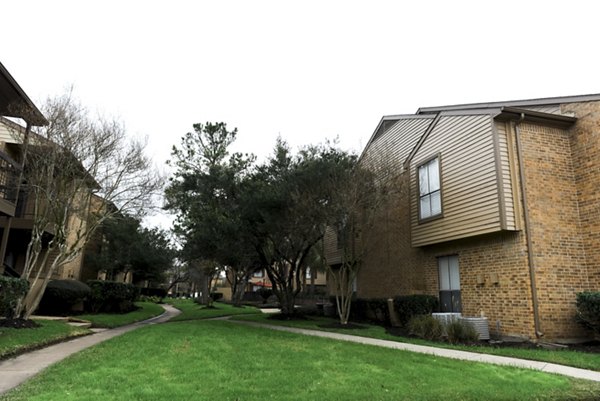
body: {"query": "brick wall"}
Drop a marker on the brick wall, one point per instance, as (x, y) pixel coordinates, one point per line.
(585, 144)
(555, 229)
(562, 172)
(494, 280)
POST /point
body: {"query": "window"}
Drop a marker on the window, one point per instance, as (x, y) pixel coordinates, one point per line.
(430, 194)
(310, 273)
(449, 284)
(258, 274)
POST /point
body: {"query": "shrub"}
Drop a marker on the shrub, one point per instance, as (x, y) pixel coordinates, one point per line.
(154, 292)
(374, 309)
(216, 296)
(412, 305)
(11, 290)
(61, 296)
(265, 294)
(148, 298)
(588, 310)
(461, 332)
(111, 297)
(251, 296)
(426, 327)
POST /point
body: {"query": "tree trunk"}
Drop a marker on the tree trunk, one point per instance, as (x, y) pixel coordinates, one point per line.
(238, 294)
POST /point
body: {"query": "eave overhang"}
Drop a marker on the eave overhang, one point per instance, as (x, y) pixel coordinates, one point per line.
(536, 117)
(14, 102)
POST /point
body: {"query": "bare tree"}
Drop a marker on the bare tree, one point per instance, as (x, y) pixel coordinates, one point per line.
(78, 172)
(361, 199)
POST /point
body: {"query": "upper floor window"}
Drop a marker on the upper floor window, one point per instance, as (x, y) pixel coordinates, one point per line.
(258, 274)
(430, 194)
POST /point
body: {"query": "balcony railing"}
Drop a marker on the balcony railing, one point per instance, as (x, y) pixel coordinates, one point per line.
(9, 175)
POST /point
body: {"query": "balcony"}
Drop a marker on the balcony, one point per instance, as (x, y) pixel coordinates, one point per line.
(9, 174)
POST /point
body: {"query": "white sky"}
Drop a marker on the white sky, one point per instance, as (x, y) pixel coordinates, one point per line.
(305, 70)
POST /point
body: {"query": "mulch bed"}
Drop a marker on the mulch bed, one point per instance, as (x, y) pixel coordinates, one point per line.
(589, 347)
(338, 325)
(18, 323)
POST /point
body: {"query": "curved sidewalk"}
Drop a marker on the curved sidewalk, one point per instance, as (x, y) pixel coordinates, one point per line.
(16, 370)
(443, 352)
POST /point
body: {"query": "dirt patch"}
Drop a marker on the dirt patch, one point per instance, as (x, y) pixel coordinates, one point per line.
(18, 323)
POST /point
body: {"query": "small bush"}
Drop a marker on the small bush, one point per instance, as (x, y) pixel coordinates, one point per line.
(216, 296)
(461, 332)
(148, 298)
(265, 294)
(412, 305)
(373, 309)
(426, 327)
(111, 297)
(154, 292)
(61, 296)
(11, 290)
(588, 310)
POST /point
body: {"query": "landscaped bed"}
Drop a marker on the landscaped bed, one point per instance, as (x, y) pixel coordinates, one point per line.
(145, 310)
(584, 360)
(15, 341)
(214, 360)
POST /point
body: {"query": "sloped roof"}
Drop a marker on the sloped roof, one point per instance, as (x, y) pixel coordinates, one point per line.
(14, 102)
(503, 111)
(512, 103)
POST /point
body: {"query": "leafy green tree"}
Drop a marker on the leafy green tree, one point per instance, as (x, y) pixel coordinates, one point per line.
(123, 245)
(289, 207)
(205, 192)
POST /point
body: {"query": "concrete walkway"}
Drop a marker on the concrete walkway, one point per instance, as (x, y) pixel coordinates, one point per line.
(443, 352)
(16, 370)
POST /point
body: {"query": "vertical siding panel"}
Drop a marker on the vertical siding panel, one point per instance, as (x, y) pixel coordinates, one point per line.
(470, 188)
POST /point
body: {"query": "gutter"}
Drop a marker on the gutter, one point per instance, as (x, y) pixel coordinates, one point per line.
(536, 313)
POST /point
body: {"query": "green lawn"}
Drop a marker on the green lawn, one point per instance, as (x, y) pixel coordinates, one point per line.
(108, 320)
(193, 311)
(14, 341)
(217, 360)
(563, 357)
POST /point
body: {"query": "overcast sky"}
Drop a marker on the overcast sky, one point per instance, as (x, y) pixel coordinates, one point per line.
(304, 70)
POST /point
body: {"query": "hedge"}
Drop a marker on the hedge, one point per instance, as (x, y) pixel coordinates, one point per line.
(408, 306)
(111, 297)
(61, 296)
(11, 290)
(154, 292)
(588, 310)
(374, 309)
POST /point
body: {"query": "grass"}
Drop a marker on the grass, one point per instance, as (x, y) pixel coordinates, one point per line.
(193, 311)
(111, 320)
(563, 357)
(16, 341)
(216, 360)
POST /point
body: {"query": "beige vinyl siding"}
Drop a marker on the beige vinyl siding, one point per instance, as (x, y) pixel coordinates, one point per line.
(394, 145)
(506, 178)
(470, 196)
(333, 255)
(387, 153)
(6, 136)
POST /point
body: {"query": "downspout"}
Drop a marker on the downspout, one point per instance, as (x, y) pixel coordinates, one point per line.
(534, 296)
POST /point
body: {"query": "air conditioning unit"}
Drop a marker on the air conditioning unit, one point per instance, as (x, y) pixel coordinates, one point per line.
(480, 324)
(446, 317)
